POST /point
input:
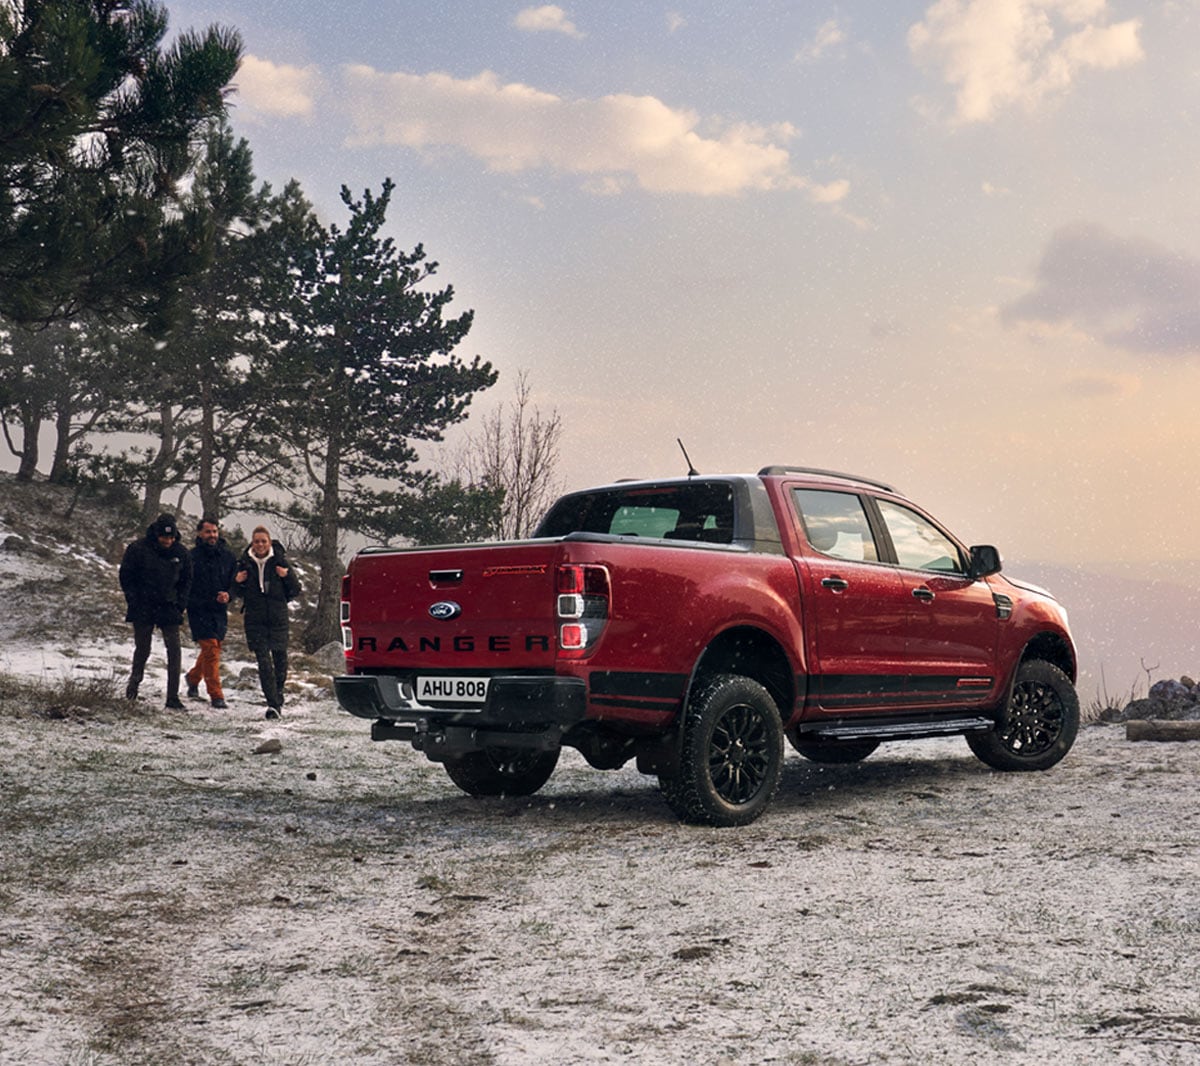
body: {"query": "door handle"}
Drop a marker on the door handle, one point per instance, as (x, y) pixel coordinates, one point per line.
(838, 584)
(923, 593)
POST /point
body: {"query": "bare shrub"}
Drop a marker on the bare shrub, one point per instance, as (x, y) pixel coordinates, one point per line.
(66, 698)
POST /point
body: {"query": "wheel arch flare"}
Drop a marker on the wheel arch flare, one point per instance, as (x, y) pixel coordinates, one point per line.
(753, 653)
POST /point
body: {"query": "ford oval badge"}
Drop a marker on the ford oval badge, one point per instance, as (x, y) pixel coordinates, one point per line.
(445, 609)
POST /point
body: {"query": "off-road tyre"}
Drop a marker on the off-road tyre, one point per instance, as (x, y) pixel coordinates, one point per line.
(731, 754)
(1039, 725)
(831, 752)
(502, 771)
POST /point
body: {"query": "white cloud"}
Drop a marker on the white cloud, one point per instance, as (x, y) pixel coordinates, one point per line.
(999, 53)
(276, 89)
(833, 193)
(829, 36)
(1127, 292)
(549, 18)
(612, 141)
(675, 21)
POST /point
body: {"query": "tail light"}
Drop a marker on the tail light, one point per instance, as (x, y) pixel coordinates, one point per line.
(344, 616)
(583, 600)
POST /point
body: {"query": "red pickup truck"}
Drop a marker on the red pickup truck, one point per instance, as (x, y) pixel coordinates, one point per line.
(693, 624)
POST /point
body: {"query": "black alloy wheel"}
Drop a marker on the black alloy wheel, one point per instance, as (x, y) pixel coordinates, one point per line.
(731, 754)
(739, 757)
(1039, 725)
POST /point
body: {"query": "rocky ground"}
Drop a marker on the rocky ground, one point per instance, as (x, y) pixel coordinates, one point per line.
(1169, 700)
(169, 895)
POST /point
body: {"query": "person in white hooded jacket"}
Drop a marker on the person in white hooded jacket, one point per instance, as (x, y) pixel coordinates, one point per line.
(265, 582)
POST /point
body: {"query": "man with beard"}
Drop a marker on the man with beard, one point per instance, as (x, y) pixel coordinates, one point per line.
(213, 567)
(155, 576)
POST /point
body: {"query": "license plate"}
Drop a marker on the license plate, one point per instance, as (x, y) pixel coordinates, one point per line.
(452, 689)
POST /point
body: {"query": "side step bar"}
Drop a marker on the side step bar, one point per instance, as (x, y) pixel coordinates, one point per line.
(843, 730)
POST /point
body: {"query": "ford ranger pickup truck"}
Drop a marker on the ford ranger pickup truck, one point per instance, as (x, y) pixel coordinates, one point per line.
(692, 625)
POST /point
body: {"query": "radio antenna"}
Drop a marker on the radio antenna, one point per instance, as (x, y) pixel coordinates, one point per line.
(692, 471)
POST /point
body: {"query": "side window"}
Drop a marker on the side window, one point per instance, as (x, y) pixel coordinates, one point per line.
(836, 524)
(919, 544)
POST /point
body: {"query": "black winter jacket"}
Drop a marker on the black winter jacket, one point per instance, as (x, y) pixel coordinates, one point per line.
(266, 607)
(213, 567)
(155, 581)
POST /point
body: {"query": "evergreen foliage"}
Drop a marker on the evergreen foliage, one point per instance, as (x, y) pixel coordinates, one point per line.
(204, 393)
(149, 291)
(98, 123)
(69, 375)
(367, 362)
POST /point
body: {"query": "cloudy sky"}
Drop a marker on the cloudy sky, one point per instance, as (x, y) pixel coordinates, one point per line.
(953, 244)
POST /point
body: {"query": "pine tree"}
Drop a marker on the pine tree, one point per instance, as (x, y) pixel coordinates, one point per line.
(369, 368)
(98, 123)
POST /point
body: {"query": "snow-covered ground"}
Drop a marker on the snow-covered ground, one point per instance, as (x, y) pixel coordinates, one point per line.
(169, 894)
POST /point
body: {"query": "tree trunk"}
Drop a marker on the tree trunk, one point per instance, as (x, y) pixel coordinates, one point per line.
(325, 625)
(62, 444)
(74, 419)
(1159, 729)
(210, 503)
(156, 474)
(31, 428)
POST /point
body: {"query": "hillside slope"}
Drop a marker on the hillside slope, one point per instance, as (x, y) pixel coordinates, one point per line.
(64, 612)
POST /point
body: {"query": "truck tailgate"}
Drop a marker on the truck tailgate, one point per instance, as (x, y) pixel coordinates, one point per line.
(485, 607)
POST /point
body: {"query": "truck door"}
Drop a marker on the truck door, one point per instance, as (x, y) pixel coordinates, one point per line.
(855, 606)
(953, 626)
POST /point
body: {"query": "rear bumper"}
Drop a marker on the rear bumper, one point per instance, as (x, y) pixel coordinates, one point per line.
(512, 703)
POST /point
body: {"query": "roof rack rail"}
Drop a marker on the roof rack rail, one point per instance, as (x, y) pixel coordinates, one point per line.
(766, 470)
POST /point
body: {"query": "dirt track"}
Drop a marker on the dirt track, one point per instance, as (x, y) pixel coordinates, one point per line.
(168, 896)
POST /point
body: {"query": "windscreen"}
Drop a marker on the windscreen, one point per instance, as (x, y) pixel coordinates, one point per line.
(697, 511)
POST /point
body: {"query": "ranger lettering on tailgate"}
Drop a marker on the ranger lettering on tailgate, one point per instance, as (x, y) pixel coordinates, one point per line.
(497, 642)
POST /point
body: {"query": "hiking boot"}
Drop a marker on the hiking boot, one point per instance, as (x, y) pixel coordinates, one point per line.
(220, 705)
(193, 692)
(174, 703)
(272, 712)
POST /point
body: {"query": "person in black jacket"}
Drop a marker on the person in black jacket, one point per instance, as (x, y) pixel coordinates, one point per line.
(266, 582)
(213, 567)
(155, 576)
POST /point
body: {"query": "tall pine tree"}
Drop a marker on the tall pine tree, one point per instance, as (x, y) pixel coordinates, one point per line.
(369, 367)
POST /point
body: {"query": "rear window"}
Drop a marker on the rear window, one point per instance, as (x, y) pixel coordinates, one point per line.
(699, 511)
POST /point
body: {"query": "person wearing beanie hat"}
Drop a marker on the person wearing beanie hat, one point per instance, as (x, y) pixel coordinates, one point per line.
(155, 576)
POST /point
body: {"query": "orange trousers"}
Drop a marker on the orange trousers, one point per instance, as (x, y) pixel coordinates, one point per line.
(208, 668)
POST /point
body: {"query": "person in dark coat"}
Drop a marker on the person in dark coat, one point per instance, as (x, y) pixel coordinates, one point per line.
(213, 567)
(266, 582)
(155, 575)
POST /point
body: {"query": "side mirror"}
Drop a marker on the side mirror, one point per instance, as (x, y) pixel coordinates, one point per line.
(985, 560)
